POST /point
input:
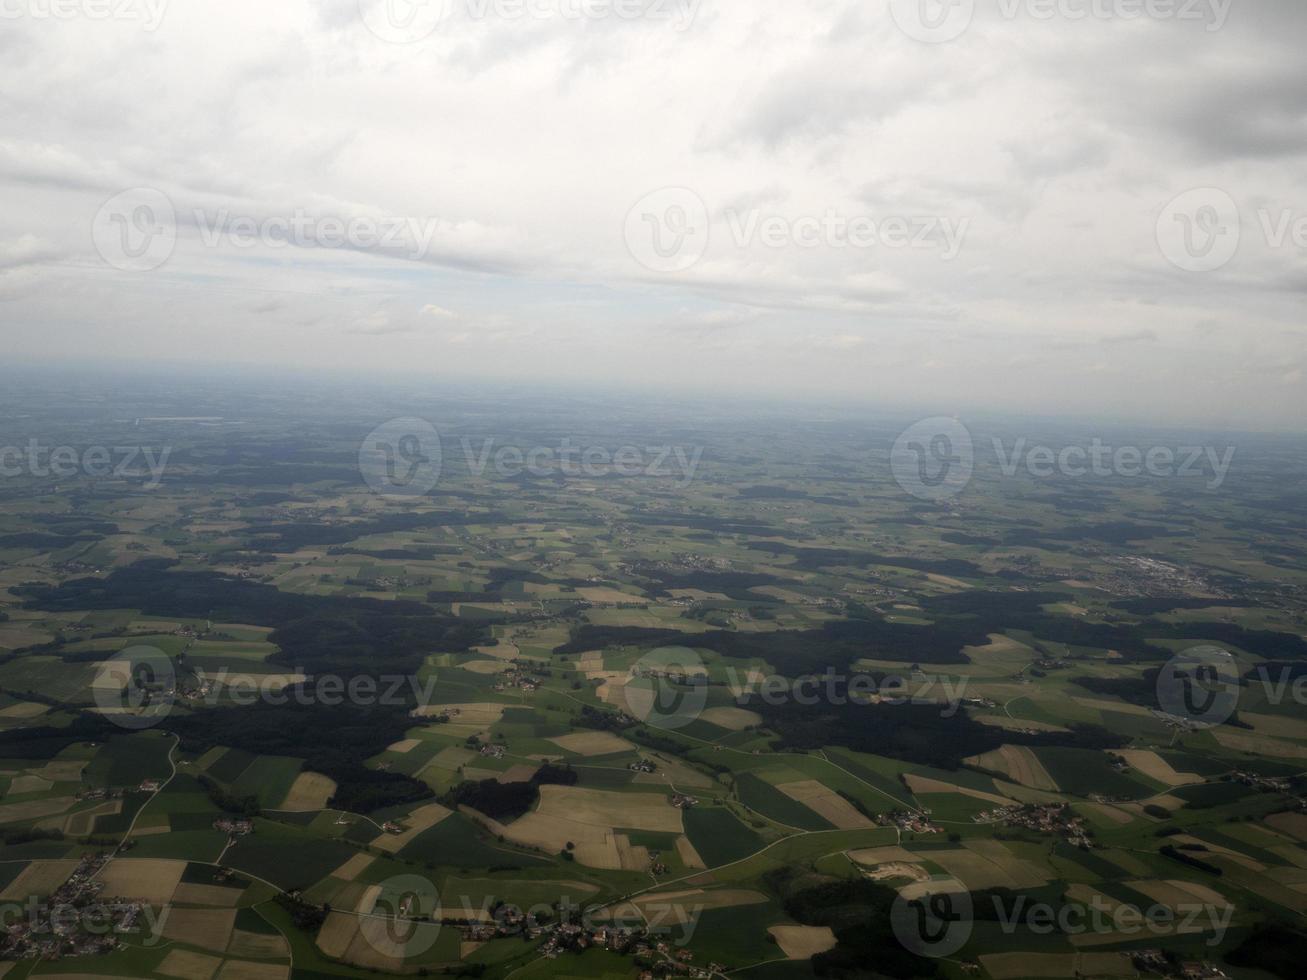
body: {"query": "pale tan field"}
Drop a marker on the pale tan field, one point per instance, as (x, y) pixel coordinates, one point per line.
(1259, 744)
(420, 820)
(826, 803)
(1278, 726)
(1175, 894)
(921, 784)
(520, 773)
(23, 709)
(1019, 764)
(675, 774)
(209, 758)
(404, 746)
(689, 856)
(82, 824)
(485, 666)
(734, 719)
(35, 809)
(257, 945)
(1017, 724)
(465, 719)
(206, 928)
(147, 879)
(586, 819)
(988, 864)
(354, 867)
(684, 905)
(38, 879)
(453, 758)
(872, 856)
(1293, 824)
(213, 896)
(62, 770)
(1121, 707)
(189, 966)
(1108, 812)
(21, 785)
(1016, 966)
(310, 791)
(1236, 856)
(245, 970)
(603, 596)
(803, 942)
(632, 856)
(593, 743)
(1154, 766)
(337, 933)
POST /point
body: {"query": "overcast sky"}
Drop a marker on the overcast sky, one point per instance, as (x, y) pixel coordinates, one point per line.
(1087, 212)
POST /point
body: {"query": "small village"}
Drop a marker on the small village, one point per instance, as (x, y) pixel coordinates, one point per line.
(1049, 818)
(72, 922)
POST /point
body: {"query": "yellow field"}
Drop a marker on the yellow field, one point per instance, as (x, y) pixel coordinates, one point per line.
(593, 743)
(586, 819)
(988, 864)
(206, 928)
(354, 867)
(735, 719)
(601, 596)
(38, 879)
(35, 809)
(922, 784)
(22, 785)
(189, 966)
(1293, 824)
(826, 803)
(803, 942)
(1155, 767)
(1019, 764)
(689, 856)
(149, 880)
(82, 824)
(245, 970)
(310, 792)
(404, 746)
(420, 820)
(210, 895)
(258, 945)
(337, 933)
